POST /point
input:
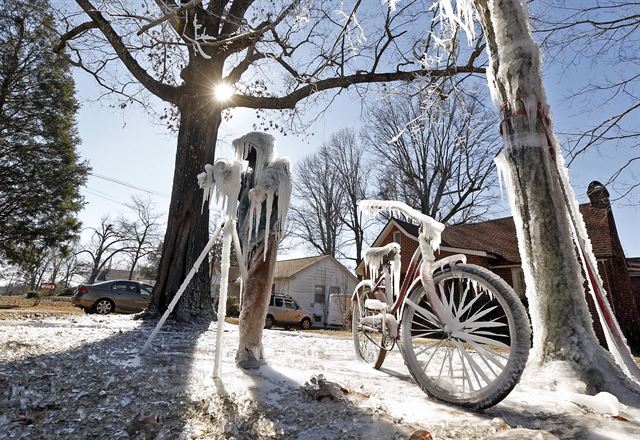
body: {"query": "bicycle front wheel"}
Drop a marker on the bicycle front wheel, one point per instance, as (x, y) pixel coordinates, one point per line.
(368, 340)
(475, 354)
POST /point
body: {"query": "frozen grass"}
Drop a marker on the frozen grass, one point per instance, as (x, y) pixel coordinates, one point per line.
(15, 304)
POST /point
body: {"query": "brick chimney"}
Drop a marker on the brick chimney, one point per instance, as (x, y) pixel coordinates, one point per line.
(598, 195)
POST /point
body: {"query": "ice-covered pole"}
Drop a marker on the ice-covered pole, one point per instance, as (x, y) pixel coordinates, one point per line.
(182, 288)
(226, 177)
(222, 296)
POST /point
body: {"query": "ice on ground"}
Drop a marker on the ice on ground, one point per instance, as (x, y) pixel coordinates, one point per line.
(82, 378)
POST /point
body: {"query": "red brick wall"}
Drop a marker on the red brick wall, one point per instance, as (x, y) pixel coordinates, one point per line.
(635, 288)
(622, 299)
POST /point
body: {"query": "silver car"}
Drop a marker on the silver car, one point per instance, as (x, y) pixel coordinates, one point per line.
(124, 296)
(285, 312)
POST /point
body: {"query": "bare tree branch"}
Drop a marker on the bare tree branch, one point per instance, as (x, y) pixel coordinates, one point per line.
(290, 100)
(163, 91)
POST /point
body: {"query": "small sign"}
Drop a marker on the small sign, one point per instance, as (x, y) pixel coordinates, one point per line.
(48, 287)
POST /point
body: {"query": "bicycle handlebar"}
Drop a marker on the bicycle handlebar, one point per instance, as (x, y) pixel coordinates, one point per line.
(430, 228)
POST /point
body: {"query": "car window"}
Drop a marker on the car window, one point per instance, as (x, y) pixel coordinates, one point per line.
(289, 304)
(278, 302)
(125, 287)
(146, 289)
(271, 301)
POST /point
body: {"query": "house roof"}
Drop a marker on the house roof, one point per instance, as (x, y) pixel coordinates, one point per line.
(498, 236)
(120, 274)
(288, 268)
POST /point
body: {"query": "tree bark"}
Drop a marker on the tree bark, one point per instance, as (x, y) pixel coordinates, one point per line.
(187, 227)
(255, 304)
(562, 325)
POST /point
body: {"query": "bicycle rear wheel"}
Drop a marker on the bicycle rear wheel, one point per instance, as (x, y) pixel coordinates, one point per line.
(475, 355)
(368, 341)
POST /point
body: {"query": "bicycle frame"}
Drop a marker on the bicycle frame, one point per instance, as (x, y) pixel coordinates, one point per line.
(412, 277)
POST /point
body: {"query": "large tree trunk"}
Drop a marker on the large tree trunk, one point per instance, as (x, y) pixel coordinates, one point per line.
(561, 321)
(187, 228)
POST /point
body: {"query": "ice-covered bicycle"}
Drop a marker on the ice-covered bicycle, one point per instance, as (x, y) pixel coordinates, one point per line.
(462, 331)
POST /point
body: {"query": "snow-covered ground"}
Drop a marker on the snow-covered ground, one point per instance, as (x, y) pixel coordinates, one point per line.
(81, 377)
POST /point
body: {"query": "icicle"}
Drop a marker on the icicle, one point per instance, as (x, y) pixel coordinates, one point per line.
(226, 183)
(462, 17)
(267, 223)
(206, 183)
(530, 103)
(374, 257)
(263, 143)
(395, 272)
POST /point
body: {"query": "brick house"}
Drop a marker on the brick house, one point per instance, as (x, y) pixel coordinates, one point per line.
(493, 244)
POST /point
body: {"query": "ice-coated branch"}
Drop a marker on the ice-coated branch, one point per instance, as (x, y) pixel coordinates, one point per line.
(289, 101)
(161, 90)
(221, 182)
(170, 15)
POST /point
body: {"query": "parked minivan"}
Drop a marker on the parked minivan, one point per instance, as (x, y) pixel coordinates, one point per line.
(285, 312)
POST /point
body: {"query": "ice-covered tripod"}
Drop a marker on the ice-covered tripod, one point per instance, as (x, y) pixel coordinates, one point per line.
(254, 232)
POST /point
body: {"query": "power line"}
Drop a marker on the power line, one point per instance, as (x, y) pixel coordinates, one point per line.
(93, 193)
(129, 185)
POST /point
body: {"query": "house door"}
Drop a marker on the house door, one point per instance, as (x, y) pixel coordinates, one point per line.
(319, 305)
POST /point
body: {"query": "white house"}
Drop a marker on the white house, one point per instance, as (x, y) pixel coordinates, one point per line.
(321, 285)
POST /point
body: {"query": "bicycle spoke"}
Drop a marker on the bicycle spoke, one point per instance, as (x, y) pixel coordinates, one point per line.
(479, 314)
(419, 335)
(424, 313)
(468, 306)
(491, 355)
(435, 350)
(484, 359)
(483, 324)
(429, 346)
(477, 338)
(465, 373)
(472, 364)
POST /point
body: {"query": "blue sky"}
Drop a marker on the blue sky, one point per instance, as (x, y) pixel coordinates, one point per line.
(127, 145)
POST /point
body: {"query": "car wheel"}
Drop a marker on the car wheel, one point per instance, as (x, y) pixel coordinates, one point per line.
(103, 306)
(268, 322)
(305, 324)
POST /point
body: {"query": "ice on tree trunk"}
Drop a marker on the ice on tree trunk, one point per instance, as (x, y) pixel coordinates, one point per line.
(536, 178)
(264, 203)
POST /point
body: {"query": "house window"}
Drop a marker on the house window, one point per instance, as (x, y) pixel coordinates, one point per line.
(396, 237)
(318, 296)
(517, 275)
